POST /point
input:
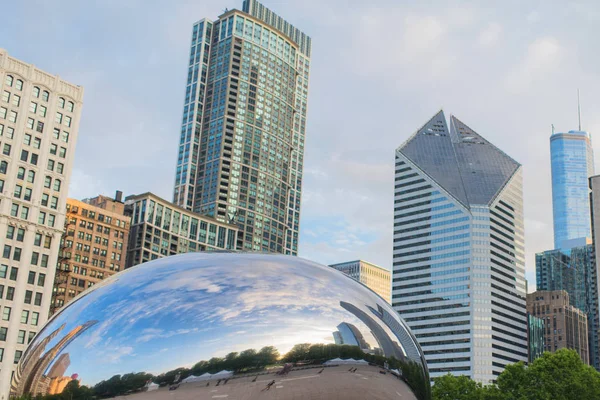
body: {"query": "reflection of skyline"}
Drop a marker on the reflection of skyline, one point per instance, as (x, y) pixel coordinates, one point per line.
(58, 381)
(34, 352)
(37, 383)
(408, 343)
(349, 334)
(389, 348)
(153, 321)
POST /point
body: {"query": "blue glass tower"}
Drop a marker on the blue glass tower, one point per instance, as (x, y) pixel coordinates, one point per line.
(572, 162)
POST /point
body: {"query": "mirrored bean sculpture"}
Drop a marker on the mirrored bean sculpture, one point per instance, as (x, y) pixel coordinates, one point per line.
(229, 326)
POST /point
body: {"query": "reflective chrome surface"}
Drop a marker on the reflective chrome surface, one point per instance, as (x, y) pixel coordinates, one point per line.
(226, 325)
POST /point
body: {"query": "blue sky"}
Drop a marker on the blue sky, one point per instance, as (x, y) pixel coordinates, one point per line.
(380, 69)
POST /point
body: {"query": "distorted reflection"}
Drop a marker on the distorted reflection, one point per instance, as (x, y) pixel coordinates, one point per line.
(229, 325)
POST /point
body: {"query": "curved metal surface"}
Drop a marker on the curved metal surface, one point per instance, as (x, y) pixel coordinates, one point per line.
(227, 325)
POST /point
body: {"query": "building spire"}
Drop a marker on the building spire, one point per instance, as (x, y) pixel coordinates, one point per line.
(579, 110)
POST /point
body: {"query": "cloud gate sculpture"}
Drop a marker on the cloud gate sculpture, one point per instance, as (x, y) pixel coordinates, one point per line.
(225, 325)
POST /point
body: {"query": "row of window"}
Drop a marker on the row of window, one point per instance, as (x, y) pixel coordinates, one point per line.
(38, 93)
(27, 316)
(9, 80)
(89, 214)
(7, 131)
(84, 272)
(85, 259)
(10, 294)
(16, 255)
(11, 115)
(20, 337)
(14, 272)
(86, 247)
(16, 99)
(22, 211)
(95, 263)
(18, 354)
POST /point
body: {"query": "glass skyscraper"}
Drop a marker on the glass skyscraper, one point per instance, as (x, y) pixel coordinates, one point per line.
(572, 161)
(241, 150)
(574, 270)
(458, 258)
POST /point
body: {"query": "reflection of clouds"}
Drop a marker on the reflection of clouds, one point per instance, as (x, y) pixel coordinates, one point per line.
(151, 334)
(117, 352)
(203, 305)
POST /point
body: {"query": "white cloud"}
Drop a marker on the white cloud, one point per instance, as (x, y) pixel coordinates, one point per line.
(421, 34)
(490, 35)
(84, 185)
(542, 58)
(533, 17)
(393, 42)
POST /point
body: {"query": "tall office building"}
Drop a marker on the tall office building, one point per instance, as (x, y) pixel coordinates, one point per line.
(458, 264)
(565, 326)
(92, 248)
(374, 277)
(39, 120)
(571, 266)
(572, 161)
(241, 150)
(593, 273)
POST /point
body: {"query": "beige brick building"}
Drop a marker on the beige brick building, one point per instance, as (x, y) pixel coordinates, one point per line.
(93, 246)
(39, 123)
(564, 325)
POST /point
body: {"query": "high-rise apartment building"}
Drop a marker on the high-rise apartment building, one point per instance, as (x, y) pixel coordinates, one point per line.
(572, 161)
(374, 277)
(565, 326)
(458, 259)
(241, 151)
(160, 229)
(39, 121)
(93, 246)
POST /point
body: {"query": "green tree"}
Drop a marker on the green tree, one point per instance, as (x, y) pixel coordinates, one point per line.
(450, 387)
(557, 376)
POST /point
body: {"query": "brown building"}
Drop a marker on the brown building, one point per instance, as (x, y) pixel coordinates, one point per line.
(93, 246)
(564, 325)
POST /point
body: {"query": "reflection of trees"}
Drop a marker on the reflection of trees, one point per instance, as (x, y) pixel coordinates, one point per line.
(121, 384)
(245, 362)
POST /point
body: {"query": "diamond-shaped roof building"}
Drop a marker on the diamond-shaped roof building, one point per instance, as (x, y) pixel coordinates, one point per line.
(460, 160)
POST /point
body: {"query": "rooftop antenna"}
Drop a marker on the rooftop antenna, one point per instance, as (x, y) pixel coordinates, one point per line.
(552, 128)
(579, 110)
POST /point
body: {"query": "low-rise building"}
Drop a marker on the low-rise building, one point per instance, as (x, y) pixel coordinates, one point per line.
(159, 229)
(564, 325)
(93, 246)
(376, 278)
